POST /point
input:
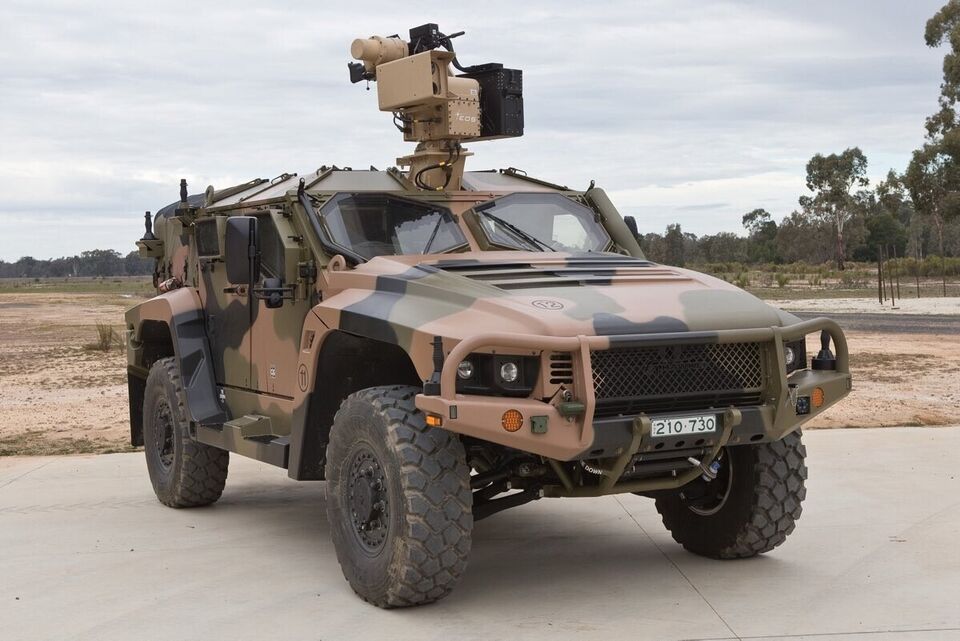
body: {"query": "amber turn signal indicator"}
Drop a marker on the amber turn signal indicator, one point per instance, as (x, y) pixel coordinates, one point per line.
(512, 420)
(816, 396)
(434, 421)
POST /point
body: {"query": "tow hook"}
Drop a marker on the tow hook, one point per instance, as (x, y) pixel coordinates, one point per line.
(709, 471)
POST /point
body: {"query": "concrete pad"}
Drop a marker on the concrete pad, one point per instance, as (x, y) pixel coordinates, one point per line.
(88, 553)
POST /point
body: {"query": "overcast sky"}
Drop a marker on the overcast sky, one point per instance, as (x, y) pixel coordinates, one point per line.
(684, 110)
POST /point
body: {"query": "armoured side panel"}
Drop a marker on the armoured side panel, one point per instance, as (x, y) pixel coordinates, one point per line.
(275, 335)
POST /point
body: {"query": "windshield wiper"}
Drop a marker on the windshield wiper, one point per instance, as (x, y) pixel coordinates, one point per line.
(529, 238)
(433, 234)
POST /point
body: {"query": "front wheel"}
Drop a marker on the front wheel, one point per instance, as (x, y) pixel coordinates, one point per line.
(183, 471)
(750, 508)
(398, 499)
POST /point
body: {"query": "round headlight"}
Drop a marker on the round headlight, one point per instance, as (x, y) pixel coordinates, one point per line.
(509, 372)
(465, 369)
(789, 356)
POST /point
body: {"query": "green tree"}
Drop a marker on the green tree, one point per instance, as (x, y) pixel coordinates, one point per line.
(674, 246)
(887, 217)
(890, 194)
(802, 237)
(757, 221)
(692, 253)
(762, 232)
(933, 176)
(134, 265)
(724, 247)
(653, 247)
(883, 229)
(831, 178)
(100, 262)
(933, 180)
(28, 267)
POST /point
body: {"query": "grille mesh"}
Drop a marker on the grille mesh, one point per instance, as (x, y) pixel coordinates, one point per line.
(676, 377)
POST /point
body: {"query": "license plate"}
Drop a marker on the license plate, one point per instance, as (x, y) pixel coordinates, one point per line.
(677, 425)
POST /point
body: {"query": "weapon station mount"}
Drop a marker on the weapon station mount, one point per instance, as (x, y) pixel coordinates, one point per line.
(435, 107)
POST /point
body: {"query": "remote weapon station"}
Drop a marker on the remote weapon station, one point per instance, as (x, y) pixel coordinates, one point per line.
(439, 345)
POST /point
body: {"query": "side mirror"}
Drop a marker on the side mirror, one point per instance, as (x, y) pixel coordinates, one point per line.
(632, 225)
(242, 253)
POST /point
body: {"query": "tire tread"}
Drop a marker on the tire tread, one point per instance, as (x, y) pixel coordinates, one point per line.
(203, 470)
(779, 476)
(435, 482)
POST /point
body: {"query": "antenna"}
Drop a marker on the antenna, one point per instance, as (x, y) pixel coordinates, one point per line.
(148, 225)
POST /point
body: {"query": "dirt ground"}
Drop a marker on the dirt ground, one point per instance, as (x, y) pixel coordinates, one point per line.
(864, 305)
(58, 395)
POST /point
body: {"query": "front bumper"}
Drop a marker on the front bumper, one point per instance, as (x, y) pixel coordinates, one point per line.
(547, 432)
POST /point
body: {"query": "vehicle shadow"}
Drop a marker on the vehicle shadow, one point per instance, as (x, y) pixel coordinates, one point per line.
(553, 545)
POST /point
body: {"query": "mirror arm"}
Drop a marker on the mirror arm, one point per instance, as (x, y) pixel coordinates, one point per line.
(288, 291)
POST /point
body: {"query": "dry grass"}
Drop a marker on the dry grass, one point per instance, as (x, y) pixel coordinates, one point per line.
(894, 367)
(36, 443)
(108, 338)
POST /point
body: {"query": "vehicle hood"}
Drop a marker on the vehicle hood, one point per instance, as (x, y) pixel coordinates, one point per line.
(455, 296)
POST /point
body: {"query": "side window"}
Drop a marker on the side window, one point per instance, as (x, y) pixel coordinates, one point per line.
(271, 248)
(208, 242)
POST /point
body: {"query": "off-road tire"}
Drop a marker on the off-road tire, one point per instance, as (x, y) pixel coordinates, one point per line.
(422, 479)
(760, 511)
(184, 472)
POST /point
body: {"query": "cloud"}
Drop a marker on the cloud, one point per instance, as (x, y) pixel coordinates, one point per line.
(685, 111)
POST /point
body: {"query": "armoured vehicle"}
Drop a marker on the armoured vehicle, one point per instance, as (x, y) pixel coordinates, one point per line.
(440, 345)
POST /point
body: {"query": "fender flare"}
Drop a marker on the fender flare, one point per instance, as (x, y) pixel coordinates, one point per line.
(303, 465)
(312, 399)
(180, 310)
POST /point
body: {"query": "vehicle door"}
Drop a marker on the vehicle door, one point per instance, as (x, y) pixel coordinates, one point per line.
(227, 307)
(276, 330)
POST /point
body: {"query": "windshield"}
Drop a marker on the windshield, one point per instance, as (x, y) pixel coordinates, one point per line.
(541, 222)
(373, 224)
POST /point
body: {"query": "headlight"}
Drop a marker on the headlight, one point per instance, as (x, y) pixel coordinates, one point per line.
(509, 372)
(789, 356)
(498, 375)
(465, 370)
(795, 355)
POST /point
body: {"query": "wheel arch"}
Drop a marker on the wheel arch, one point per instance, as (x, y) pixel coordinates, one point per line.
(171, 324)
(343, 363)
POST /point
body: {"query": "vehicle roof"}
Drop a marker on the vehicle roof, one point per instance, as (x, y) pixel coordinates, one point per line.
(334, 179)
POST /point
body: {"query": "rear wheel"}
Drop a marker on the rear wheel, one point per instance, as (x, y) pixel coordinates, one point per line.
(750, 508)
(184, 473)
(398, 499)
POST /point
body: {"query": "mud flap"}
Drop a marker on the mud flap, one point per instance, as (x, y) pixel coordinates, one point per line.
(196, 368)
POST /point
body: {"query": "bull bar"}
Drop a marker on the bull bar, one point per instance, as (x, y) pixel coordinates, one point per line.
(479, 416)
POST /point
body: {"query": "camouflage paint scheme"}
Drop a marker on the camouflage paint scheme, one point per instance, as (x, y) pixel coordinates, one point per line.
(260, 366)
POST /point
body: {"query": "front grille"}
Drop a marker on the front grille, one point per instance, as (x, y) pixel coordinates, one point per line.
(668, 378)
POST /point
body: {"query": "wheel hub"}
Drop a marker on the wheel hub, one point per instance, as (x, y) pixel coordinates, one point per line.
(163, 434)
(367, 500)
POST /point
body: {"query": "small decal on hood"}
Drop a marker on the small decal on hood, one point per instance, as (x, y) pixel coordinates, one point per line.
(546, 303)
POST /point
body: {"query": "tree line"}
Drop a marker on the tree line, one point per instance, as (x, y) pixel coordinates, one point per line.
(93, 263)
(883, 218)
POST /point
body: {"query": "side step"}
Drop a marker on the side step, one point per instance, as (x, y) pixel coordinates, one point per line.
(251, 436)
